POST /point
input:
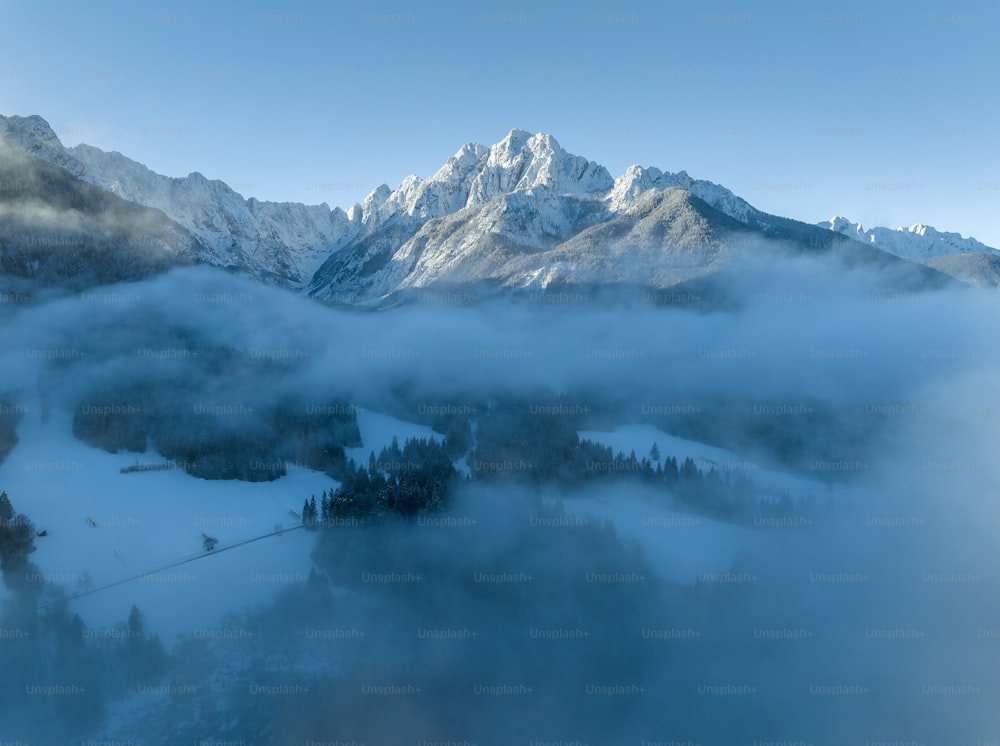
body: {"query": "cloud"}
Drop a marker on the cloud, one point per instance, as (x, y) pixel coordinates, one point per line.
(875, 623)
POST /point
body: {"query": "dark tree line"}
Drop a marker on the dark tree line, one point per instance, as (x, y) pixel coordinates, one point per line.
(17, 542)
(715, 492)
(538, 442)
(10, 416)
(59, 231)
(215, 435)
(407, 481)
(52, 648)
(518, 438)
(87, 667)
(525, 441)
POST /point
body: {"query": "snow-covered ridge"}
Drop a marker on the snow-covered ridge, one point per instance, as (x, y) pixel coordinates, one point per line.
(918, 242)
(475, 175)
(525, 188)
(637, 180)
(287, 242)
(283, 242)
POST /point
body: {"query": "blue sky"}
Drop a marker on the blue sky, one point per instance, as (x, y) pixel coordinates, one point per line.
(885, 113)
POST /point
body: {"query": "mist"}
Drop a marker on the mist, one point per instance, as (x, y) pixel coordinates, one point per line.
(537, 612)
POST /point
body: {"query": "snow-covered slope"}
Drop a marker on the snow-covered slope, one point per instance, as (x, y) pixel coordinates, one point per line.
(490, 214)
(525, 214)
(104, 526)
(768, 482)
(918, 242)
(521, 162)
(280, 242)
(378, 431)
(638, 180)
(686, 547)
(472, 222)
(529, 242)
(287, 242)
(524, 193)
(60, 234)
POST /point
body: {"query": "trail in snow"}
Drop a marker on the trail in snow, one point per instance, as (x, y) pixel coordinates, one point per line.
(178, 563)
(102, 524)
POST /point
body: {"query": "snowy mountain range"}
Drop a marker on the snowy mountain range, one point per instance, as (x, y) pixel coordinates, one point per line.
(964, 258)
(522, 214)
(283, 242)
(58, 233)
(918, 242)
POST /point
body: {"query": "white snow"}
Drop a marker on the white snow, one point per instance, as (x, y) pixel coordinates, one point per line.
(529, 175)
(378, 430)
(682, 547)
(637, 181)
(685, 547)
(287, 240)
(918, 242)
(145, 520)
(768, 482)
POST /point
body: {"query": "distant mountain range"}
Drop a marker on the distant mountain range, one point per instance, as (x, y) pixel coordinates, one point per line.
(522, 215)
(965, 258)
(57, 231)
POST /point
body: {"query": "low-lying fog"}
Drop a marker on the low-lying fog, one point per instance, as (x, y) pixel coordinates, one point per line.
(517, 616)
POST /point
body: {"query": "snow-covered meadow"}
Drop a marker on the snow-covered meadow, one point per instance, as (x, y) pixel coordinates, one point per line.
(103, 526)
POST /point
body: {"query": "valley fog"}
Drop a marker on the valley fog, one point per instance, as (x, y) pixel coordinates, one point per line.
(546, 610)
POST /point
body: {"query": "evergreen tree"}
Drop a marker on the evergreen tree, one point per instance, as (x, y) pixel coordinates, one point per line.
(17, 541)
(689, 471)
(135, 625)
(146, 657)
(325, 510)
(654, 453)
(74, 662)
(670, 470)
(458, 437)
(6, 509)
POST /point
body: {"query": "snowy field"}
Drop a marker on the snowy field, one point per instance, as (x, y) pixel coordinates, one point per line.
(681, 547)
(767, 482)
(104, 526)
(378, 430)
(684, 547)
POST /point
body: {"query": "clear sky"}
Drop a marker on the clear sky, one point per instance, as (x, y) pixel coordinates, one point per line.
(886, 113)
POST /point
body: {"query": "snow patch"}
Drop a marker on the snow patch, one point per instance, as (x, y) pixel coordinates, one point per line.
(378, 430)
(104, 526)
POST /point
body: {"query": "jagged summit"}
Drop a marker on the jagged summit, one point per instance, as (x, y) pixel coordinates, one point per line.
(841, 224)
(918, 242)
(522, 161)
(31, 134)
(280, 242)
(522, 195)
